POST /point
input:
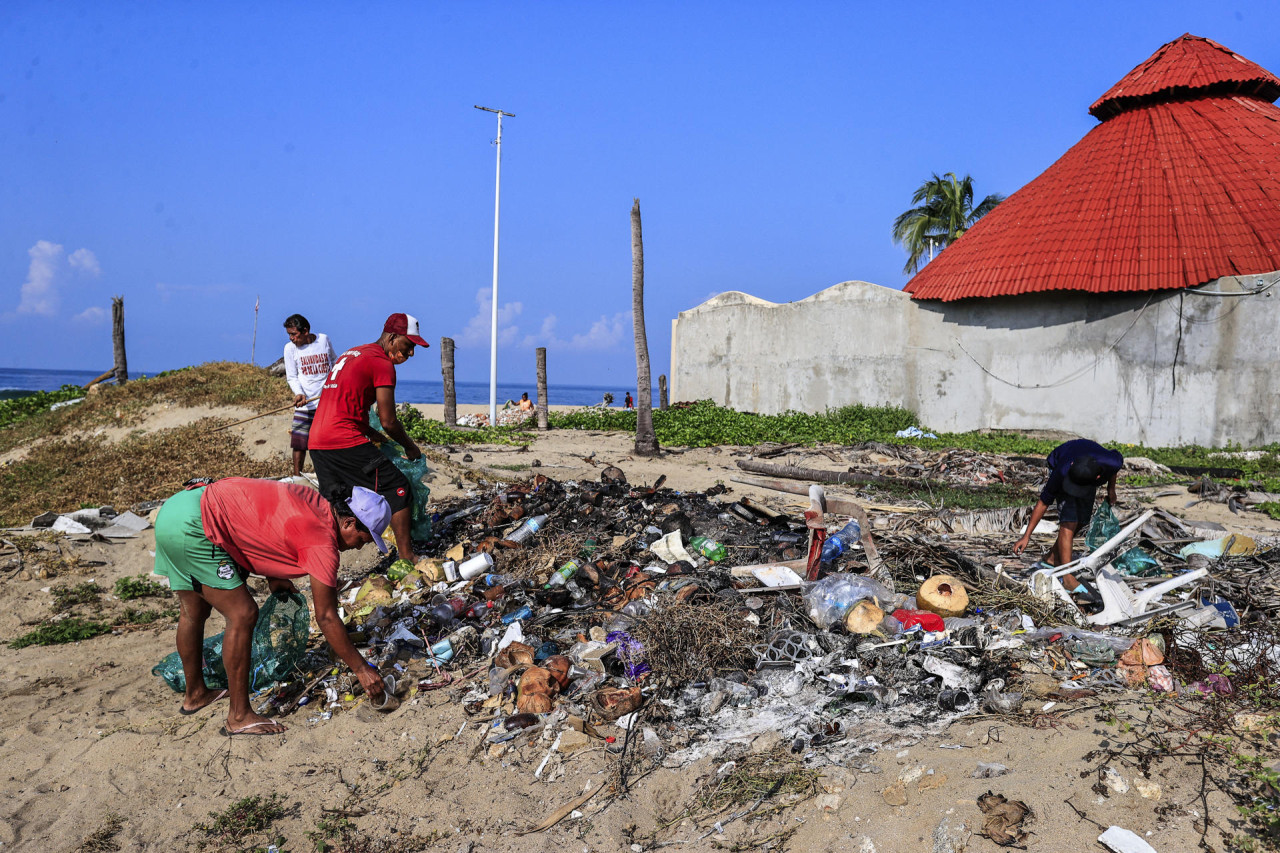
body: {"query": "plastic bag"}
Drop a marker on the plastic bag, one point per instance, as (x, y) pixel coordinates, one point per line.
(832, 597)
(414, 471)
(1105, 525)
(278, 643)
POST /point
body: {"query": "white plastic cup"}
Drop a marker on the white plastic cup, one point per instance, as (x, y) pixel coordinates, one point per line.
(476, 566)
(450, 570)
(389, 701)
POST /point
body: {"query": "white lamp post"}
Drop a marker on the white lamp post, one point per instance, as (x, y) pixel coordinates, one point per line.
(493, 331)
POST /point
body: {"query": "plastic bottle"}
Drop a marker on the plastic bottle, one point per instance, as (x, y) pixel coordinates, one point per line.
(840, 541)
(527, 528)
(493, 579)
(588, 548)
(479, 609)
(516, 615)
(708, 548)
(562, 574)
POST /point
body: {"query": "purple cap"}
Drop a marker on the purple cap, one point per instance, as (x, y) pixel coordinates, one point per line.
(373, 512)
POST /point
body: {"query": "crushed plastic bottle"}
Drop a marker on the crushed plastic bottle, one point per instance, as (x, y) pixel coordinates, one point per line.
(841, 541)
(527, 528)
(831, 598)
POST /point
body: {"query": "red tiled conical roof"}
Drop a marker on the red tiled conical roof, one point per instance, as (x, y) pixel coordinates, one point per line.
(1178, 186)
(1183, 68)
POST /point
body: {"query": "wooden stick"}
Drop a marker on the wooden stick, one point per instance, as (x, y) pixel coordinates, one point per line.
(262, 415)
(109, 373)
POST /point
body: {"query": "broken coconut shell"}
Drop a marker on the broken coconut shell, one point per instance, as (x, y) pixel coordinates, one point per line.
(516, 654)
(537, 691)
(558, 666)
(610, 703)
(943, 595)
(863, 618)
(535, 703)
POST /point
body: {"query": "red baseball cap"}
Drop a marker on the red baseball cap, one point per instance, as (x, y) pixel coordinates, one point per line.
(404, 324)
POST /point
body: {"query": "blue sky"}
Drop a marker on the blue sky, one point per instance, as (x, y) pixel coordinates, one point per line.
(327, 158)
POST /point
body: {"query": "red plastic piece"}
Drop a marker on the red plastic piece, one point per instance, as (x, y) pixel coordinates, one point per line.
(926, 620)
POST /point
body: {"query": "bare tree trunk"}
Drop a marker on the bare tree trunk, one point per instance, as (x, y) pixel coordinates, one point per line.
(646, 439)
(542, 388)
(450, 393)
(117, 339)
(662, 391)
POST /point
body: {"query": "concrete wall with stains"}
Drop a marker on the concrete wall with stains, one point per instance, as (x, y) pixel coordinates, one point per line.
(1168, 368)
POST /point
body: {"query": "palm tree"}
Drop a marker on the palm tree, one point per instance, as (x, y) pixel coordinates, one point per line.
(646, 439)
(945, 211)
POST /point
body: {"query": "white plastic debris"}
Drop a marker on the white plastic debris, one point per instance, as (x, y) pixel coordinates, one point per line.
(63, 524)
(1124, 841)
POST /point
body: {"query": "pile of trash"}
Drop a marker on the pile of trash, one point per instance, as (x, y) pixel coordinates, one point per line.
(607, 614)
(509, 416)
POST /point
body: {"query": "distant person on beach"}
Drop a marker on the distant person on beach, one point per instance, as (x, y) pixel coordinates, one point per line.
(628, 402)
(341, 442)
(210, 538)
(307, 359)
(1076, 470)
(526, 405)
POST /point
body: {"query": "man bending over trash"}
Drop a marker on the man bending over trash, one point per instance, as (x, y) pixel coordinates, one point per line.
(210, 538)
(341, 440)
(1076, 469)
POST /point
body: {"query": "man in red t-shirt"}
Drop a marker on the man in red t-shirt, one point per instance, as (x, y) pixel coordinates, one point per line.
(210, 538)
(341, 440)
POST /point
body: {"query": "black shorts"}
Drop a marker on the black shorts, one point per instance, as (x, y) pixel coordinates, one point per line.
(362, 465)
(1075, 509)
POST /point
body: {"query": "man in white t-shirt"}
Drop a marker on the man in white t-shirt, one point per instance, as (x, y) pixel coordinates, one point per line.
(308, 358)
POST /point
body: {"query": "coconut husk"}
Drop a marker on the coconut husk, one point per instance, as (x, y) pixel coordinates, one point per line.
(515, 654)
(944, 595)
(537, 691)
(1135, 663)
(1004, 820)
(863, 618)
(535, 703)
(610, 703)
(558, 666)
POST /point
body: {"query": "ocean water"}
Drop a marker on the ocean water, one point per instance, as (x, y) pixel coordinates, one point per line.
(15, 382)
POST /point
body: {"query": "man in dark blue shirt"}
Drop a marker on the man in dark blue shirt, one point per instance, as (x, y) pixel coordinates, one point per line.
(1076, 469)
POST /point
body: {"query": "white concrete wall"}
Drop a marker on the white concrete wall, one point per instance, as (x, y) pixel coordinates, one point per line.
(1100, 366)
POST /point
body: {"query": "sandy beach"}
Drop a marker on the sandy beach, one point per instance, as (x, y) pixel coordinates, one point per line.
(87, 733)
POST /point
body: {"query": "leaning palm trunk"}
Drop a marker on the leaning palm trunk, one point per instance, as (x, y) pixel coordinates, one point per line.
(646, 439)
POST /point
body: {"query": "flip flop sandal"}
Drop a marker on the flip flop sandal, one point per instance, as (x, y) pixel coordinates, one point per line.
(186, 712)
(248, 730)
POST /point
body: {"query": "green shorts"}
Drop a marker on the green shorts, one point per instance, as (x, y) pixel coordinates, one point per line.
(184, 555)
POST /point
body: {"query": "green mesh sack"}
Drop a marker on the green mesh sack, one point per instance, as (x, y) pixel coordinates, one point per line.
(1105, 525)
(278, 643)
(414, 471)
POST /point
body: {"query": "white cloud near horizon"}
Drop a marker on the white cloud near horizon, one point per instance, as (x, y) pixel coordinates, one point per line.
(605, 333)
(478, 327)
(40, 290)
(46, 273)
(86, 262)
(92, 314)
